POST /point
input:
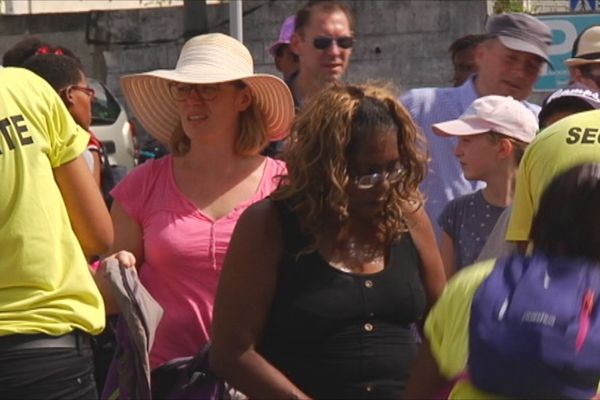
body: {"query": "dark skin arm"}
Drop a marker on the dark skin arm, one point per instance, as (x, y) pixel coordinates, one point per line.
(87, 212)
(246, 288)
(421, 230)
(425, 380)
(128, 248)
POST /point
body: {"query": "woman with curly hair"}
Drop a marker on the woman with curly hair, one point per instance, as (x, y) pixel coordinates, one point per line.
(322, 285)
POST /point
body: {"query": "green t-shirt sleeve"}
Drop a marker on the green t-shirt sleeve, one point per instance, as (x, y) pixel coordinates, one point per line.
(67, 140)
(521, 216)
(447, 329)
(447, 324)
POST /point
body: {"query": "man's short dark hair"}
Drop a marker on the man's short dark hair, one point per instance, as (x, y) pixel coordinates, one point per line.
(466, 42)
(570, 105)
(303, 15)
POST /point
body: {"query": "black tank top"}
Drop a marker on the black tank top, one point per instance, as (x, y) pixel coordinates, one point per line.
(340, 335)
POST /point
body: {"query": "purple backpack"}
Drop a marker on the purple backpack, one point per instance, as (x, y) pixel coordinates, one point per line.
(535, 329)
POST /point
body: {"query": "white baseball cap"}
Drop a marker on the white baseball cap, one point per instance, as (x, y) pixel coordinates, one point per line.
(500, 114)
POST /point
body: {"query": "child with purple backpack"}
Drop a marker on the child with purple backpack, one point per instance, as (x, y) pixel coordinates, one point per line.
(525, 326)
(491, 136)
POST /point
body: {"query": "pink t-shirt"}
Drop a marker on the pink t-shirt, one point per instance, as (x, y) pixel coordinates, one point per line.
(183, 250)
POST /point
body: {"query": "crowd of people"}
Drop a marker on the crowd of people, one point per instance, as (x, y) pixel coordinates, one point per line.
(314, 238)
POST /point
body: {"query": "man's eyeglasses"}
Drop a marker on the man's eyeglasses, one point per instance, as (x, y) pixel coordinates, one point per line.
(87, 90)
(369, 181)
(181, 91)
(324, 42)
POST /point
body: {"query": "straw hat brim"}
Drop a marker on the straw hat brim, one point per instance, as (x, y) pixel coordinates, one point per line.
(148, 97)
(576, 62)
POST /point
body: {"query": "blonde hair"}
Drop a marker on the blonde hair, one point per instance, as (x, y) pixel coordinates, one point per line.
(251, 138)
(325, 133)
(517, 145)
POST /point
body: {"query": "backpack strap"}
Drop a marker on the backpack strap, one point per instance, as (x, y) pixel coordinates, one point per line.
(589, 301)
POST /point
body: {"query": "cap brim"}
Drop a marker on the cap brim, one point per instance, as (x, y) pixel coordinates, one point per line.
(459, 127)
(148, 97)
(275, 46)
(521, 45)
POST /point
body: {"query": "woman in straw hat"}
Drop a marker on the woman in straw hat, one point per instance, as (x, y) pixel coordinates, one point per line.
(328, 310)
(174, 216)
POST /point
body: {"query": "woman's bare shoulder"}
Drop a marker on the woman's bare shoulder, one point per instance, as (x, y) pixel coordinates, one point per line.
(260, 218)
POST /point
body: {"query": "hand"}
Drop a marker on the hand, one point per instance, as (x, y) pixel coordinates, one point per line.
(125, 258)
(413, 211)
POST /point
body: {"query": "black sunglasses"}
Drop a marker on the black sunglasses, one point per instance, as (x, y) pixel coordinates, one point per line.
(323, 42)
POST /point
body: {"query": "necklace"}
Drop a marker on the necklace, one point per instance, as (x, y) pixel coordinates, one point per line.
(355, 257)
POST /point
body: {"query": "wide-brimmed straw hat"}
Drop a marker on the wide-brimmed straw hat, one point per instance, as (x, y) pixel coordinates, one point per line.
(207, 59)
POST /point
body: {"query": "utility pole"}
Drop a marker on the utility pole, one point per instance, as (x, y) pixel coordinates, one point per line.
(236, 28)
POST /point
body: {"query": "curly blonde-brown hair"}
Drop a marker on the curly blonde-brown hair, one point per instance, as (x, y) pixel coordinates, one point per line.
(324, 137)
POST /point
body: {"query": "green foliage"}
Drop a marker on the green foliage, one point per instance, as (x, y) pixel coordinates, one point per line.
(501, 6)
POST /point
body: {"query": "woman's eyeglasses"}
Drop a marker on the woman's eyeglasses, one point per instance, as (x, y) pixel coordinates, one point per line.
(181, 91)
(370, 181)
(324, 42)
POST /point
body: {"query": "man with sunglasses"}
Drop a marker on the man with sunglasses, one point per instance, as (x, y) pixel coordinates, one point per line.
(509, 61)
(323, 40)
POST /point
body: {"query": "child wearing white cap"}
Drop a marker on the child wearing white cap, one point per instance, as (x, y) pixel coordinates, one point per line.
(491, 136)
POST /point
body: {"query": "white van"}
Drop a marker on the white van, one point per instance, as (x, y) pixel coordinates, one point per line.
(111, 125)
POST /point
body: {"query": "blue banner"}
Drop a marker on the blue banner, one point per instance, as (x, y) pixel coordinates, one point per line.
(565, 28)
(582, 5)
